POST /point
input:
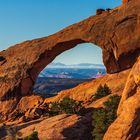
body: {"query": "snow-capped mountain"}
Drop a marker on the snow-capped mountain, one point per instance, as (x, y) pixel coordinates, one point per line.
(79, 71)
(78, 66)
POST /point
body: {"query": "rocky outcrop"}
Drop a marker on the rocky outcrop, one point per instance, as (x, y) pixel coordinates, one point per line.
(60, 127)
(127, 125)
(116, 32)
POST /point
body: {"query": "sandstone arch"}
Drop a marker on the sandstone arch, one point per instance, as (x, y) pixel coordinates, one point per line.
(115, 31)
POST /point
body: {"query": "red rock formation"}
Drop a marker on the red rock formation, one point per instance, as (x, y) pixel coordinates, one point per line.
(116, 32)
(71, 127)
(125, 1)
(32, 107)
(127, 125)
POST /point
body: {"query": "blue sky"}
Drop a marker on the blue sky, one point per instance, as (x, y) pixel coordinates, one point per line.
(22, 20)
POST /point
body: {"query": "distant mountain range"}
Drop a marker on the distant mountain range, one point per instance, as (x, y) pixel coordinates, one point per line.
(57, 76)
(77, 71)
(78, 66)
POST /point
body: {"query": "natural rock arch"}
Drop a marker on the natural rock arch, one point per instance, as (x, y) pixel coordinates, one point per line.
(89, 53)
(115, 31)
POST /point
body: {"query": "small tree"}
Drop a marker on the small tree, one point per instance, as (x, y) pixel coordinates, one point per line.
(55, 108)
(67, 105)
(33, 136)
(103, 117)
(70, 106)
(102, 91)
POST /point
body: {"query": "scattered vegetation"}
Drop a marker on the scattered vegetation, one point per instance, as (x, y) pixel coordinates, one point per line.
(67, 105)
(33, 136)
(102, 91)
(103, 117)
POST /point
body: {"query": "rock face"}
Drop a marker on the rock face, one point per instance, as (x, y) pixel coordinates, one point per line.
(60, 127)
(116, 32)
(127, 125)
(71, 127)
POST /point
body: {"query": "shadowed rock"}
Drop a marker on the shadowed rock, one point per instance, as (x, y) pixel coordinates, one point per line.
(127, 125)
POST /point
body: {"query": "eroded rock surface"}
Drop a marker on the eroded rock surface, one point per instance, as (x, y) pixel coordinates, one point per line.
(60, 127)
(127, 125)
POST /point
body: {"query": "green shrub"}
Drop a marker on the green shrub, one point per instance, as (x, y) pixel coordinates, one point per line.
(67, 105)
(102, 91)
(55, 109)
(33, 136)
(103, 117)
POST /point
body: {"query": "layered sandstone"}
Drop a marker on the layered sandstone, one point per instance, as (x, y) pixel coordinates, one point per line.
(127, 124)
(71, 127)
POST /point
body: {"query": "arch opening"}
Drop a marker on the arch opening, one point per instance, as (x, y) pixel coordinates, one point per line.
(77, 65)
